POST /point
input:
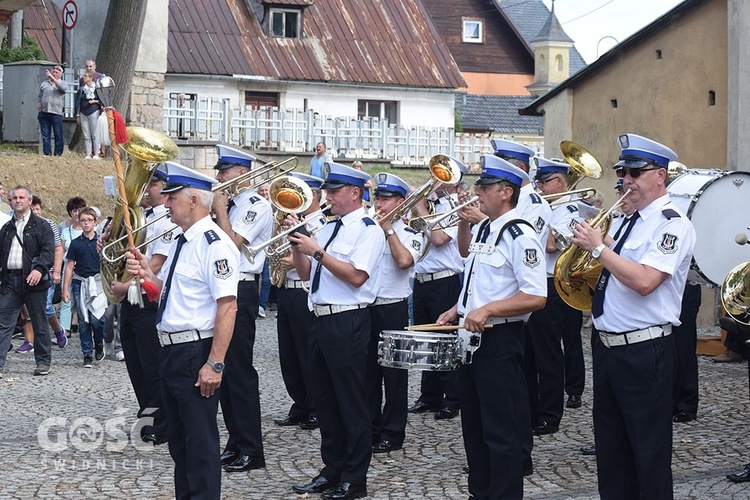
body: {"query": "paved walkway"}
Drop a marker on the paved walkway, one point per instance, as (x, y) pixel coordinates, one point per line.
(84, 413)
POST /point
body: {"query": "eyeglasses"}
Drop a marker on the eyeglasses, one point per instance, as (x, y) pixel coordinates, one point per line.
(633, 172)
(541, 182)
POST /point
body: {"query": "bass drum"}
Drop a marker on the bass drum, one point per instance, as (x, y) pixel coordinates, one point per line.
(717, 202)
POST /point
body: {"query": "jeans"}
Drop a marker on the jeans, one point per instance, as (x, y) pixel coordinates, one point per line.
(51, 122)
(85, 327)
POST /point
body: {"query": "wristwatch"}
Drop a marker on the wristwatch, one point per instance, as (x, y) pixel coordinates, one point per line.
(597, 252)
(318, 255)
(390, 232)
(218, 366)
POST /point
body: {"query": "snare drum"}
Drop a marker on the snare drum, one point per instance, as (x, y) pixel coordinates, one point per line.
(418, 350)
(717, 203)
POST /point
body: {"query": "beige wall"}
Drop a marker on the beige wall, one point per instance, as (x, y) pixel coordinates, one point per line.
(496, 83)
(546, 57)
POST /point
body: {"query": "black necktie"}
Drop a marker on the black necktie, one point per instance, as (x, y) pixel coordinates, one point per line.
(149, 212)
(484, 233)
(167, 283)
(230, 205)
(624, 223)
(316, 276)
(597, 306)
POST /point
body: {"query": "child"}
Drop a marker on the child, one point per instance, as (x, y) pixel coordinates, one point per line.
(83, 268)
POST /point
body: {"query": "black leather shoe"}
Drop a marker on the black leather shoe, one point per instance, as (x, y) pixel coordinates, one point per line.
(588, 450)
(574, 401)
(319, 484)
(446, 413)
(466, 469)
(683, 416)
(310, 424)
(346, 491)
(287, 422)
(229, 456)
(157, 439)
(246, 462)
(543, 428)
(385, 446)
(420, 407)
(528, 467)
(741, 477)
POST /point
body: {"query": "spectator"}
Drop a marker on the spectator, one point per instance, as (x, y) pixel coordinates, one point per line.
(268, 291)
(4, 207)
(321, 156)
(88, 107)
(90, 66)
(51, 104)
(357, 165)
(70, 230)
(102, 127)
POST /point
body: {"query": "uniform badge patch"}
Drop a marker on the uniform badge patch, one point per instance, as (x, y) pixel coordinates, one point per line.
(222, 269)
(572, 224)
(668, 243)
(539, 225)
(167, 237)
(530, 259)
(249, 217)
(416, 245)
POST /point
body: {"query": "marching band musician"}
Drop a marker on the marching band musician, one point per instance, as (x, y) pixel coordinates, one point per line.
(436, 287)
(248, 220)
(140, 342)
(636, 303)
(339, 260)
(195, 319)
(391, 312)
(504, 282)
(293, 320)
(545, 362)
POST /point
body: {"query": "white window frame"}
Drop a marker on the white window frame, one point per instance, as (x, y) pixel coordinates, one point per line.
(284, 12)
(464, 32)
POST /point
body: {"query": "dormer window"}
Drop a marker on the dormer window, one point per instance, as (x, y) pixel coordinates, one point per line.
(473, 31)
(285, 23)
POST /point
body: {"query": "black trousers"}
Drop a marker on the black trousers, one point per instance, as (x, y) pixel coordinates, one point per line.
(430, 300)
(11, 301)
(685, 342)
(633, 419)
(389, 421)
(495, 413)
(192, 432)
(140, 345)
(575, 368)
(293, 322)
(338, 350)
(240, 397)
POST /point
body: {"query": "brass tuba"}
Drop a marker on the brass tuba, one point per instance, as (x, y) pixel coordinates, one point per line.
(735, 293)
(145, 148)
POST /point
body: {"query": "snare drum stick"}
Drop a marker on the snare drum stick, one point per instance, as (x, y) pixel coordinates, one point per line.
(434, 327)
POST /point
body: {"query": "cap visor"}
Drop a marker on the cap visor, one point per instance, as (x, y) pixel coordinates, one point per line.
(488, 180)
(631, 164)
(171, 188)
(383, 192)
(333, 185)
(539, 177)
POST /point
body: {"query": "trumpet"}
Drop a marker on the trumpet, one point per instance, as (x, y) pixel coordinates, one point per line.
(556, 198)
(427, 223)
(230, 186)
(279, 245)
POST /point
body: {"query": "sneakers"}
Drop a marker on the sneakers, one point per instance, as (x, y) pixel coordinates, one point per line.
(62, 339)
(99, 351)
(727, 356)
(96, 157)
(119, 356)
(88, 361)
(26, 347)
(41, 370)
(261, 312)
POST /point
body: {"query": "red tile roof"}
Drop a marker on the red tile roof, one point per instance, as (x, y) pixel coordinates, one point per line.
(42, 20)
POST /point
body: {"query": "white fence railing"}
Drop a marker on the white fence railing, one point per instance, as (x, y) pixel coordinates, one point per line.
(296, 130)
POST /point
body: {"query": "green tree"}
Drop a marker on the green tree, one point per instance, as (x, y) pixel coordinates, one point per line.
(28, 51)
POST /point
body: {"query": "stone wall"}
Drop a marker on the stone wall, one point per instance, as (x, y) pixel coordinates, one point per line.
(147, 100)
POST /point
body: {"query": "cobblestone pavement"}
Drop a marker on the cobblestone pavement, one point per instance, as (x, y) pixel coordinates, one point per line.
(429, 466)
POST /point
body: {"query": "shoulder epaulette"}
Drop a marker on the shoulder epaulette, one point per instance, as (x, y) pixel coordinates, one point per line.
(515, 230)
(211, 236)
(572, 208)
(410, 230)
(255, 199)
(368, 221)
(535, 198)
(670, 213)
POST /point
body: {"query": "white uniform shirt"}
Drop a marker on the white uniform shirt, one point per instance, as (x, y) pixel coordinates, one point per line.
(666, 244)
(314, 220)
(393, 282)
(252, 218)
(206, 270)
(164, 225)
(562, 219)
(360, 243)
(534, 209)
(446, 256)
(501, 271)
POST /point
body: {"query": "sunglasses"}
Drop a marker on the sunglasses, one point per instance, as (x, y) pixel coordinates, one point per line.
(541, 182)
(634, 173)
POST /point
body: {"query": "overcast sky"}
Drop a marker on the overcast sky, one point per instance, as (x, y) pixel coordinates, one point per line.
(592, 22)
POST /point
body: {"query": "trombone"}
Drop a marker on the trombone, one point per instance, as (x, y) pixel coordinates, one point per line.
(231, 187)
(276, 246)
(427, 223)
(560, 198)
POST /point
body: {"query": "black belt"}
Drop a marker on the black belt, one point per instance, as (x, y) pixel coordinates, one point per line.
(15, 272)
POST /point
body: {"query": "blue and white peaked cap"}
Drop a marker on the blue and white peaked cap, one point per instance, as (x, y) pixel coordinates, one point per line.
(639, 151)
(545, 167)
(338, 175)
(509, 149)
(310, 180)
(390, 185)
(160, 173)
(231, 157)
(496, 169)
(180, 176)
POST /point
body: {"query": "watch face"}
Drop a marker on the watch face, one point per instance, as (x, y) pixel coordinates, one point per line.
(219, 367)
